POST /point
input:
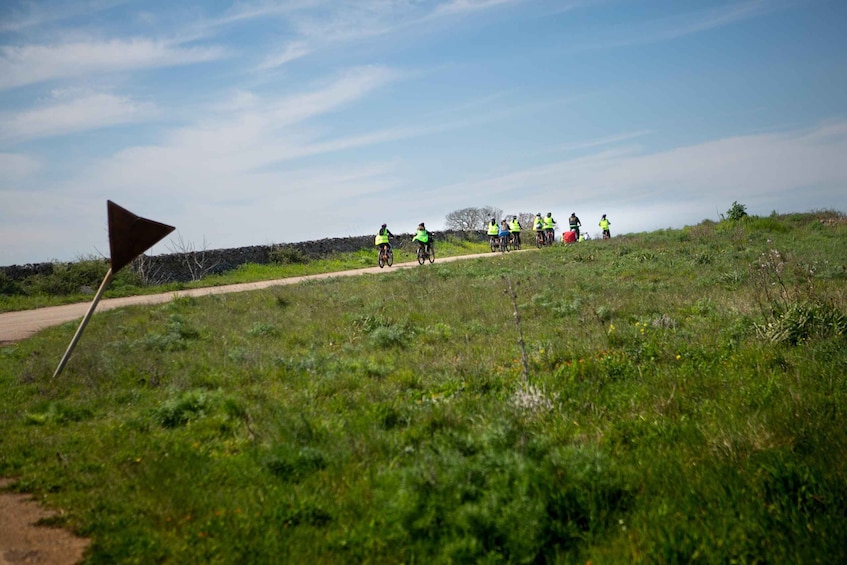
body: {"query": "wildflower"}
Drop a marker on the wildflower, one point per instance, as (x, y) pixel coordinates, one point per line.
(678, 356)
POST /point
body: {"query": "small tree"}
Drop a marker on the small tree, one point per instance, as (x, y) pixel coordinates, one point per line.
(736, 211)
(469, 219)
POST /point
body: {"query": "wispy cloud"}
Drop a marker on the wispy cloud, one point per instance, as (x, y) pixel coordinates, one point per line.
(69, 113)
(774, 169)
(290, 52)
(611, 140)
(14, 166)
(37, 63)
(32, 14)
(673, 27)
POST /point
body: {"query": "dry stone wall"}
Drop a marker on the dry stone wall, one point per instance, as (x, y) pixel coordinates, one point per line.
(184, 267)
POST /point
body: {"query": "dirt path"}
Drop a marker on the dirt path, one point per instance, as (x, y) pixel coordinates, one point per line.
(21, 540)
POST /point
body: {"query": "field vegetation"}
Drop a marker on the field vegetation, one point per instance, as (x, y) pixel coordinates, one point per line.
(669, 397)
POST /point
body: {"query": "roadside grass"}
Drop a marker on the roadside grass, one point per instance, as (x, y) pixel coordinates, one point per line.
(65, 284)
(683, 401)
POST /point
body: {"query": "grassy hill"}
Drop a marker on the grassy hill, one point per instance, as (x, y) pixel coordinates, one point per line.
(675, 396)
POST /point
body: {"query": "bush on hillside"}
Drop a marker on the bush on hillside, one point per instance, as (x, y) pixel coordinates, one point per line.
(736, 211)
(288, 256)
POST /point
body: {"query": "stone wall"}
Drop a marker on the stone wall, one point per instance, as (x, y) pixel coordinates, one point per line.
(184, 267)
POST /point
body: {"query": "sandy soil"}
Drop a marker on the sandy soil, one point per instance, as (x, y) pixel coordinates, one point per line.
(21, 540)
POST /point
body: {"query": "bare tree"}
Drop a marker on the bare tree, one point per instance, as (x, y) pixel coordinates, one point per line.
(149, 271)
(196, 262)
(469, 219)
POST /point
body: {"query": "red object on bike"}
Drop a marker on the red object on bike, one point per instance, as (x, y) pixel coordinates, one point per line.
(569, 237)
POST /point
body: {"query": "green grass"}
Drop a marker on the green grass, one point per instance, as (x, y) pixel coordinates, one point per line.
(685, 402)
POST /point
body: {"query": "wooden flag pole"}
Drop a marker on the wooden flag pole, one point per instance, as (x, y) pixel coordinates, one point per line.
(129, 237)
(106, 280)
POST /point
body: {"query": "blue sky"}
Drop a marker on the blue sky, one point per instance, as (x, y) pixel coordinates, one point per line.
(257, 122)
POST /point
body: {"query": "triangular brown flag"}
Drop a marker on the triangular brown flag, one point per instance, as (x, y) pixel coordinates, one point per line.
(130, 236)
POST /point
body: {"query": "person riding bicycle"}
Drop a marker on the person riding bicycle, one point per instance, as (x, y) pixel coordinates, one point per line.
(504, 234)
(515, 230)
(493, 229)
(538, 226)
(574, 223)
(423, 238)
(381, 239)
(604, 225)
(549, 226)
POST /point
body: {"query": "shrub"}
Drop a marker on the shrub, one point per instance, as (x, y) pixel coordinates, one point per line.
(736, 211)
(288, 256)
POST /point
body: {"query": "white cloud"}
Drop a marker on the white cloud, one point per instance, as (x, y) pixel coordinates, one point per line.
(288, 53)
(795, 170)
(673, 27)
(70, 114)
(37, 63)
(33, 14)
(15, 166)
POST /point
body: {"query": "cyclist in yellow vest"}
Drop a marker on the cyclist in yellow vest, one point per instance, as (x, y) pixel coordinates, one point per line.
(423, 237)
(515, 230)
(549, 226)
(493, 229)
(538, 226)
(381, 239)
(604, 225)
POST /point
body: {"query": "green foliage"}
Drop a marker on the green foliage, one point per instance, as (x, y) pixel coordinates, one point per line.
(736, 212)
(288, 256)
(683, 403)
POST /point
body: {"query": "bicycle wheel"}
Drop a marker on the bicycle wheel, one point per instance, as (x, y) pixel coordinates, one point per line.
(493, 243)
(431, 254)
(539, 240)
(421, 256)
(517, 244)
(390, 257)
(381, 259)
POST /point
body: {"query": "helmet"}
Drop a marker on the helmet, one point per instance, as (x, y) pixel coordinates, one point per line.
(384, 225)
(549, 214)
(538, 213)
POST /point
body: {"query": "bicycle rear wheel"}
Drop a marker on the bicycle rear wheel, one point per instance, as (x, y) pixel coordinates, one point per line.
(381, 260)
(493, 243)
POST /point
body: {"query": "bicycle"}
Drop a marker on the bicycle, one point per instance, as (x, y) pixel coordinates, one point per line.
(504, 244)
(515, 241)
(549, 237)
(386, 256)
(494, 242)
(426, 252)
(540, 240)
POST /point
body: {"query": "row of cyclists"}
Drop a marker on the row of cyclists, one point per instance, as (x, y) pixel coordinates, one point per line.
(507, 233)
